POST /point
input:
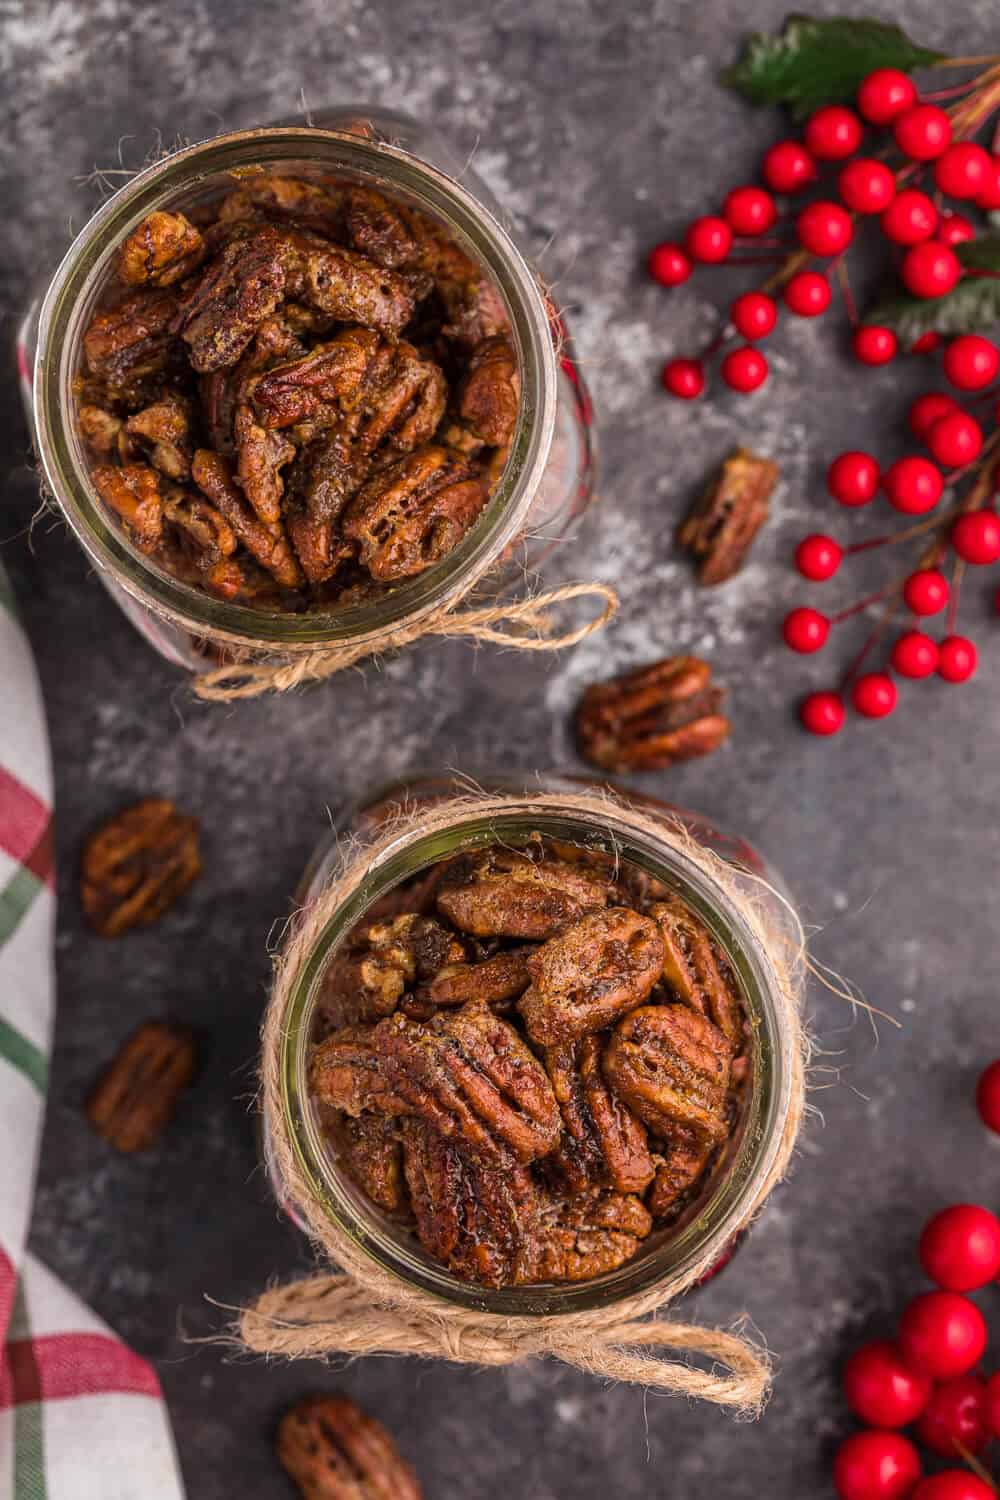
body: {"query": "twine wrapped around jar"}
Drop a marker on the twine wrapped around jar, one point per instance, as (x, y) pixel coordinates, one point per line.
(361, 1308)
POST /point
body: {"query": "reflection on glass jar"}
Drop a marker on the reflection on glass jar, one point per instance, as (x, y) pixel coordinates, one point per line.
(544, 485)
(639, 839)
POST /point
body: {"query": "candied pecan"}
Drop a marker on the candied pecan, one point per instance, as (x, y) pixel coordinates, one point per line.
(504, 893)
(575, 1239)
(378, 230)
(493, 982)
(491, 391)
(137, 865)
(320, 483)
(603, 1143)
(414, 513)
(127, 344)
(333, 1451)
(206, 532)
(721, 528)
(685, 1158)
(650, 718)
(283, 198)
(240, 579)
(671, 1067)
(368, 979)
(329, 374)
(166, 428)
(163, 249)
(241, 287)
(103, 432)
(133, 492)
(136, 1096)
(590, 973)
(260, 457)
(269, 545)
(698, 975)
(350, 287)
(345, 1072)
(470, 1217)
(405, 403)
(369, 1151)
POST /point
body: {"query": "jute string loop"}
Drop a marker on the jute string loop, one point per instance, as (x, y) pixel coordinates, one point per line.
(530, 618)
(363, 1308)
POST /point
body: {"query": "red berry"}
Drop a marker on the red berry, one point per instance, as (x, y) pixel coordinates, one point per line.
(807, 294)
(805, 630)
(833, 133)
(988, 1099)
(852, 478)
(993, 1405)
(708, 239)
(926, 592)
(866, 186)
(927, 410)
(942, 1334)
(914, 655)
(886, 94)
(824, 228)
(971, 361)
(926, 343)
(955, 229)
(955, 439)
(913, 485)
(976, 538)
(822, 713)
(749, 210)
(874, 345)
(953, 1484)
(930, 269)
(957, 658)
(881, 1389)
(744, 369)
(955, 1415)
(684, 378)
(963, 170)
(910, 218)
(788, 167)
(988, 198)
(818, 557)
(876, 1466)
(754, 315)
(874, 695)
(960, 1247)
(923, 133)
(668, 264)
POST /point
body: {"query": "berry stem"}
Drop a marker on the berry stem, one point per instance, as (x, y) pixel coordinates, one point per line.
(855, 609)
(844, 281)
(958, 573)
(967, 62)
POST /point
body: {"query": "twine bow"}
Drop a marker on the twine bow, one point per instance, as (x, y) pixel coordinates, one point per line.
(531, 619)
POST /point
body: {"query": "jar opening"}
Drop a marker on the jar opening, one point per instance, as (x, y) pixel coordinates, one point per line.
(200, 172)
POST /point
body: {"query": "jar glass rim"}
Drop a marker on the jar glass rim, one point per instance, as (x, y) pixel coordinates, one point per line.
(724, 1208)
(83, 271)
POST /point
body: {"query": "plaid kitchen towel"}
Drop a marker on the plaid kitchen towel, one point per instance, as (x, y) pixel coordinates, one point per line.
(81, 1416)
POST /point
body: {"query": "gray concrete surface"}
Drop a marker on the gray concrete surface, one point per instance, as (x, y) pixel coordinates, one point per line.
(602, 127)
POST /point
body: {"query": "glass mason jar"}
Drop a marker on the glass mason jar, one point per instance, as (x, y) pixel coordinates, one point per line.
(709, 1228)
(546, 484)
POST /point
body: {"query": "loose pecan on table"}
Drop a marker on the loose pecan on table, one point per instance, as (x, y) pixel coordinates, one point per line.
(653, 717)
(335, 1451)
(136, 1097)
(137, 865)
(722, 527)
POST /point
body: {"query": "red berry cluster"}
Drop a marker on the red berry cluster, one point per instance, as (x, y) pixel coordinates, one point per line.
(927, 1377)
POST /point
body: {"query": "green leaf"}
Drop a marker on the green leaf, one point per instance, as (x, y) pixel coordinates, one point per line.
(980, 255)
(973, 307)
(812, 62)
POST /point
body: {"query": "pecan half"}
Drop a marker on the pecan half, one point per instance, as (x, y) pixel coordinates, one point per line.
(351, 288)
(165, 429)
(137, 865)
(491, 392)
(379, 231)
(368, 980)
(684, 1159)
(260, 457)
(503, 893)
(696, 972)
(603, 1143)
(284, 198)
(207, 533)
(104, 432)
(330, 374)
(414, 513)
(268, 543)
(333, 1451)
(586, 976)
(321, 482)
(578, 1238)
(721, 528)
(494, 982)
(163, 249)
(671, 1067)
(650, 718)
(241, 287)
(369, 1151)
(136, 1097)
(133, 492)
(126, 345)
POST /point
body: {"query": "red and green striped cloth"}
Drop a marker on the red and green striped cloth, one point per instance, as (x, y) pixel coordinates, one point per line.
(81, 1416)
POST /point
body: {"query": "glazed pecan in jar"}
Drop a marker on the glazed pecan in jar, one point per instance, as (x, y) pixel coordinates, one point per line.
(298, 396)
(535, 1067)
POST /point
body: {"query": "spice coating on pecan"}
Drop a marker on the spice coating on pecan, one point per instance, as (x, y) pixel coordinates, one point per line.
(137, 865)
(371, 1153)
(503, 893)
(651, 718)
(163, 249)
(723, 524)
(671, 1067)
(490, 394)
(694, 969)
(586, 1236)
(368, 980)
(603, 1143)
(588, 975)
(136, 1097)
(414, 513)
(334, 1451)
